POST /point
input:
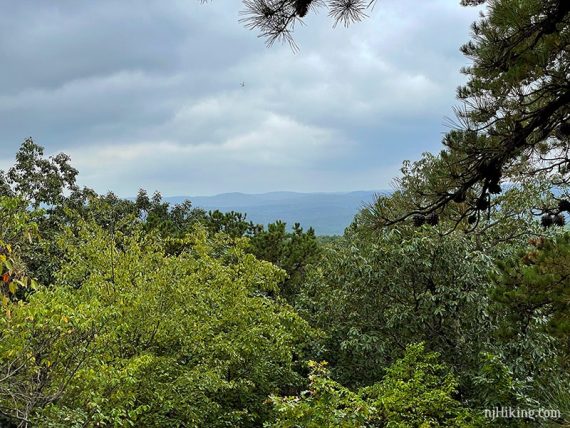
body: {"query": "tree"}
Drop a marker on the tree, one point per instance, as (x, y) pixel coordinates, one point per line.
(131, 336)
(37, 179)
(417, 391)
(512, 216)
(18, 230)
(232, 223)
(276, 19)
(375, 296)
(536, 285)
(514, 120)
(169, 220)
(291, 251)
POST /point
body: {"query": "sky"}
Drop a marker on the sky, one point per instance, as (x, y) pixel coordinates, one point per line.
(147, 93)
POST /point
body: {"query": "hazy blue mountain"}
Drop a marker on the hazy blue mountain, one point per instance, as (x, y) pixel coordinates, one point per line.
(327, 213)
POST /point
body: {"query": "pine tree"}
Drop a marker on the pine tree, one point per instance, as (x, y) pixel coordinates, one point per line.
(513, 122)
(537, 284)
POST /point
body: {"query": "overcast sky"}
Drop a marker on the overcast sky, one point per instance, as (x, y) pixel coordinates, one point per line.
(145, 93)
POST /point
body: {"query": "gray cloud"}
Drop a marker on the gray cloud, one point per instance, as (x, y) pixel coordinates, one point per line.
(147, 93)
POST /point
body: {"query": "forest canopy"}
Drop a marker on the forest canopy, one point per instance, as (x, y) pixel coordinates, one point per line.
(443, 301)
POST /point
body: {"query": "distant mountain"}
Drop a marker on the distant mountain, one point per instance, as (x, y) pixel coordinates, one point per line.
(327, 213)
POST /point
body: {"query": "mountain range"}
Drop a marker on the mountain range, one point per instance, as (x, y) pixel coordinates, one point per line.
(327, 213)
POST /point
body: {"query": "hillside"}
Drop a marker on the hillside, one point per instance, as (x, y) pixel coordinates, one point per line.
(327, 213)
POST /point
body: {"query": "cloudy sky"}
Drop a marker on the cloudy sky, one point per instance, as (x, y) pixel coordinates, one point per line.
(146, 93)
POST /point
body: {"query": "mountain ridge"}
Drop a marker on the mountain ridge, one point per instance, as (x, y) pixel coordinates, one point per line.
(329, 213)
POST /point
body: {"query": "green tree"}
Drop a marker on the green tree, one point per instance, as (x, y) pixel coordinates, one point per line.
(417, 391)
(170, 220)
(374, 297)
(37, 179)
(51, 182)
(513, 121)
(131, 336)
(511, 217)
(232, 223)
(536, 286)
(18, 232)
(292, 251)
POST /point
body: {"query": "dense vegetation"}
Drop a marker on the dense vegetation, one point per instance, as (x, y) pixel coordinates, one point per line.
(445, 299)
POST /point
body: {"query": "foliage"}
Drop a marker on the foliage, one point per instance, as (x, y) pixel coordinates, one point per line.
(325, 404)
(276, 19)
(417, 391)
(13, 279)
(37, 179)
(375, 294)
(513, 121)
(536, 285)
(555, 392)
(291, 251)
(161, 315)
(374, 297)
(130, 336)
(18, 229)
(510, 217)
(18, 225)
(170, 220)
(231, 223)
(497, 384)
